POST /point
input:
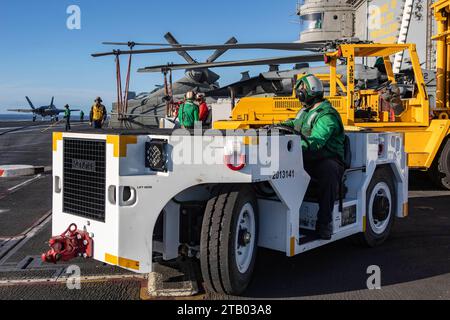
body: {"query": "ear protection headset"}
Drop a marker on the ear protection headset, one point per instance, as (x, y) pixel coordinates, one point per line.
(303, 96)
(311, 91)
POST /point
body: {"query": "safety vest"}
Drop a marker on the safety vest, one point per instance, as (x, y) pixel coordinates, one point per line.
(188, 114)
(97, 112)
(306, 120)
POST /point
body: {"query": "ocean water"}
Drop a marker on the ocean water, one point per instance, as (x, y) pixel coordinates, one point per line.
(16, 117)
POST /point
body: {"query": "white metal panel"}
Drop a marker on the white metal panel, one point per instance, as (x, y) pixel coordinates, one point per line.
(171, 234)
(272, 225)
(105, 235)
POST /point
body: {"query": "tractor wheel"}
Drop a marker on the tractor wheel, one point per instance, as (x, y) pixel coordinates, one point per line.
(229, 239)
(440, 170)
(380, 209)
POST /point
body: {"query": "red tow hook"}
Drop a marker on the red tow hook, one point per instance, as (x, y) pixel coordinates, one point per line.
(70, 244)
(239, 166)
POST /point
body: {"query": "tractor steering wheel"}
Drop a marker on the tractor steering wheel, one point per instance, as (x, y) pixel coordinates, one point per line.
(290, 130)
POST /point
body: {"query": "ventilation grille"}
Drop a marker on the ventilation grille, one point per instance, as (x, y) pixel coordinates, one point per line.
(84, 175)
(287, 104)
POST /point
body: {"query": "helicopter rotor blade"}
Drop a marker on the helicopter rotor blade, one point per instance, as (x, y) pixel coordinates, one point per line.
(238, 63)
(174, 43)
(219, 52)
(145, 44)
(289, 46)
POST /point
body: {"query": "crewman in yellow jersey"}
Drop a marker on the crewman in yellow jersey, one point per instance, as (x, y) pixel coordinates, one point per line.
(98, 114)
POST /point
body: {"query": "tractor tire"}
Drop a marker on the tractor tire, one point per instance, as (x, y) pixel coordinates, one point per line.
(228, 240)
(381, 201)
(440, 170)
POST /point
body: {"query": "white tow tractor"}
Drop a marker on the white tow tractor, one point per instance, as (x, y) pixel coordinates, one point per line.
(128, 196)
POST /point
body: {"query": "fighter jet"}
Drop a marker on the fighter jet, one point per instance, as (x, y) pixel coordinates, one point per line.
(43, 111)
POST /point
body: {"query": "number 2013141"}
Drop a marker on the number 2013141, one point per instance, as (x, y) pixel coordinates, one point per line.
(284, 174)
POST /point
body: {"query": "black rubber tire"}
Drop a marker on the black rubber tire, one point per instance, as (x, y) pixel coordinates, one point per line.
(440, 170)
(218, 264)
(369, 238)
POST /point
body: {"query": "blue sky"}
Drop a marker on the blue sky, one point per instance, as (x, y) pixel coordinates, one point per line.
(40, 57)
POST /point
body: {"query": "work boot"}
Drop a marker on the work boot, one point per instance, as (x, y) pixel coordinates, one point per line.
(324, 231)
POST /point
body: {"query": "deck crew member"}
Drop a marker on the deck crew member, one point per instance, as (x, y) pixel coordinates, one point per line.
(67, 116)
(203, 110)
(188, 112)
(98, 114)
(81, 116)
(323, 152)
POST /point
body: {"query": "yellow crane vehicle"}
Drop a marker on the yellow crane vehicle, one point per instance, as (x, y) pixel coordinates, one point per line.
(426, 129)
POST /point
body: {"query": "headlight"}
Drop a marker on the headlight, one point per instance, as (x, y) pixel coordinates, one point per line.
(156, 155)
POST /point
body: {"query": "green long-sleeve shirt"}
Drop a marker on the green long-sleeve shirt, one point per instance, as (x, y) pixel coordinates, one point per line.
(67, 113)
(188, 114)
(323, 128)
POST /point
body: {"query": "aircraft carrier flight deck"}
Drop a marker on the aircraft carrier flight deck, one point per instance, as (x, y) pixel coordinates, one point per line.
(414, 259)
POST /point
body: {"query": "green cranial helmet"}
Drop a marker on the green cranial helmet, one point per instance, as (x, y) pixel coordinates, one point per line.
(379, 62)
(312, 89)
